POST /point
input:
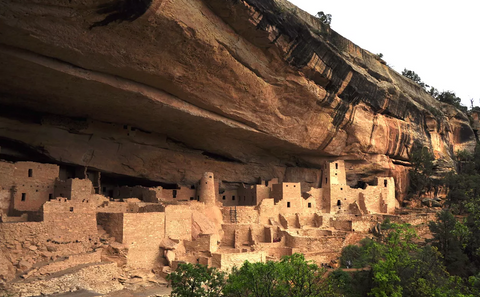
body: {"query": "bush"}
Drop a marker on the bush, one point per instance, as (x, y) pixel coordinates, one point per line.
(196, 281)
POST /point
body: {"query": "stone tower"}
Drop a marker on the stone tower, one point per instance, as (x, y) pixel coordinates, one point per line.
(335, 185)
(206, 188)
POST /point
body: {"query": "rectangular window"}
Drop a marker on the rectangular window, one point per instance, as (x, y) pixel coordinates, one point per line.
(309, 205)
(24, 196)
(30, 172)
(50, 196)
(233, 197)
(223, 198)
(336, 165)
(288, 204)
(174, 193)
(385, 183)
(71, 209)
(326, 179)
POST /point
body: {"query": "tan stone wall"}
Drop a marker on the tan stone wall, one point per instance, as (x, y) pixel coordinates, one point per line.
(70, 221)
(226, 261)
(5, 198)
(181, 194)
(178, 222)
(228, 239)
(341, 224)
(204, 243)
(229, 198)
(246, 215)
(6, 175)
(33, 184)
(267, 210)
(112, 223)
(306, 220)
(143, 232)
(304, 244)
(114, 207)
(41, 173)
(82, 189)
(262, 192)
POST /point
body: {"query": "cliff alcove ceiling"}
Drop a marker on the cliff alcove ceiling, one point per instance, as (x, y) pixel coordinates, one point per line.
(166, 90)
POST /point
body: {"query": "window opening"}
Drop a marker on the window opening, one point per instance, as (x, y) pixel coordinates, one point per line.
(174, 193)
(30, 172)
(71, 209)
(288, 204)
(385, 182)
(50, 196)
(233, 197)
(336, 165)
(309, 205)
(24, 196)
(223, 198)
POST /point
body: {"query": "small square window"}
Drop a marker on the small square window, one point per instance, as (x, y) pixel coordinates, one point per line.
(71, 209)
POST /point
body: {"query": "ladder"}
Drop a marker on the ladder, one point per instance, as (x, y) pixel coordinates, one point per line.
(233, 214)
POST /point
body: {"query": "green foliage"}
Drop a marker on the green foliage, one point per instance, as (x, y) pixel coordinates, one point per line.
(445, 96)
(324, 18)
(354, 256)
(196, 281)
(422, 170)
(450, 98)
(415, 77)
(448, 235)
(293, 276)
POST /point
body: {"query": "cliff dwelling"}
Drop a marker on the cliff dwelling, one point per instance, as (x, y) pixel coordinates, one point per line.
(139, 135)
(44, 212)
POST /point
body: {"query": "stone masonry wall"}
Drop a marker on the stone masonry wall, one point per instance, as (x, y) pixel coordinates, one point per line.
(178, 222)
(67, 220)
(143, 232)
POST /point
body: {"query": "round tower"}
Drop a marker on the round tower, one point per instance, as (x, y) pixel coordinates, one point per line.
(206, 188)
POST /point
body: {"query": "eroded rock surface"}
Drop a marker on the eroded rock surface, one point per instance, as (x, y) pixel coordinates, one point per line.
(166, 90)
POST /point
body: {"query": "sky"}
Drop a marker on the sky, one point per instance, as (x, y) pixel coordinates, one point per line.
(439, 40)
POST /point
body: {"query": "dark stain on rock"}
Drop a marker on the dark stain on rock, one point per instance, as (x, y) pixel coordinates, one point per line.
(121, 10)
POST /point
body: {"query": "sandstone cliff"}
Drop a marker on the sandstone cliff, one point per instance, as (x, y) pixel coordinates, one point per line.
(165, 90)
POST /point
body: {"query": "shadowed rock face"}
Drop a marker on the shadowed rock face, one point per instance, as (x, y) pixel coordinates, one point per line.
(246, 89)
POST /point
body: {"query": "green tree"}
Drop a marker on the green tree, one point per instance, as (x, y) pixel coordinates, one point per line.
(452, 99)
(395, 255)
(293, 276)
(196, 281)
(415, 77)
(324, 18)
(448, 242)
(422, 170)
